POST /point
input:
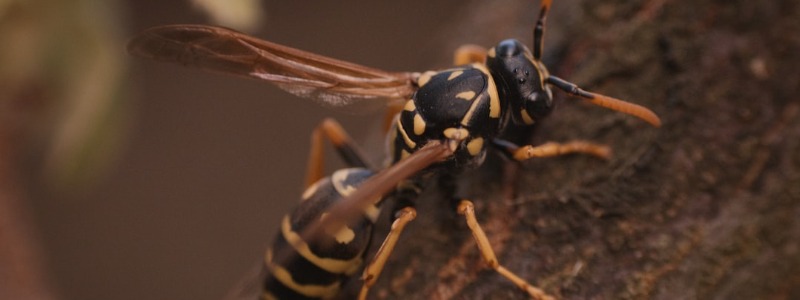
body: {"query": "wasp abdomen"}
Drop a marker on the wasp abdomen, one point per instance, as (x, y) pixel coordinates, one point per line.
(317, 268)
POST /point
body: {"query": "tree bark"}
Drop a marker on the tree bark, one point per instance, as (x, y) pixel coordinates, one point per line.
(705, 207)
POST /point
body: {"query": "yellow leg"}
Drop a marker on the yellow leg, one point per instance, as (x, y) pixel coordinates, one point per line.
(334, 132)
(466, 209)
(555, 149)
(373, 270)
(468, 54)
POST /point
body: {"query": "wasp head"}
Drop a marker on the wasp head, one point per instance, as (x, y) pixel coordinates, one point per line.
(520, 81)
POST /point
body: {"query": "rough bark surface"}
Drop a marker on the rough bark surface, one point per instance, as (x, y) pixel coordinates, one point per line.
(706, 207)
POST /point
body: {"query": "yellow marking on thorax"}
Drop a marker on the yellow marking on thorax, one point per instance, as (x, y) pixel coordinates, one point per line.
(471, 111)
(455, 74)
(411, 144)
(456, 133)
(337, 266)
(491, 88)
(468, 95)
(425, 77)
(419, 125)
(410, 106)
(475, 146)
(494, 99)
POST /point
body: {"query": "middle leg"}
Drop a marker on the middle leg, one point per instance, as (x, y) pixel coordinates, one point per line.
(551, 149)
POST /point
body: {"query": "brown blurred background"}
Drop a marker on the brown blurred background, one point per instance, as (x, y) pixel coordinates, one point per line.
(124, 178)
(200, 166)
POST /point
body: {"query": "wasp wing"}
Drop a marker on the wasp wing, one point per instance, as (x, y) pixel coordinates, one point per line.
(348, 209)
(302, 73)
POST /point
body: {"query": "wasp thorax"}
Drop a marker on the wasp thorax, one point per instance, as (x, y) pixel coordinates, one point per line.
(520, 81)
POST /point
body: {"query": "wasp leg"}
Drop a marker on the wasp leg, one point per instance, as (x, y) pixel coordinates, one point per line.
(551, 149)
(466, 209)
(373, 270)
(338, 137)
(468, 54)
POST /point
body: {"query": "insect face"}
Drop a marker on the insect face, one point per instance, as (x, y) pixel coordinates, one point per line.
(520, 80)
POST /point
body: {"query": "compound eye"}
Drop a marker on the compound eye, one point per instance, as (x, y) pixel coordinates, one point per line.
(508, 48)
(539, 104)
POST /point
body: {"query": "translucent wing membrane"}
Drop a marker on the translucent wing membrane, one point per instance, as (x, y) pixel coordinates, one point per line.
(333, 82)
(379, 185)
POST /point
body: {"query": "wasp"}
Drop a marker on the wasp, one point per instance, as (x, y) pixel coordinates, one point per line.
(446, 122)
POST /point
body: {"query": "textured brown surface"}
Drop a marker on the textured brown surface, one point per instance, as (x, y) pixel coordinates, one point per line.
(707, 207)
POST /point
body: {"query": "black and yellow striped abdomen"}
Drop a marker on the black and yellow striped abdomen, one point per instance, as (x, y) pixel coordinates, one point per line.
(318, 268)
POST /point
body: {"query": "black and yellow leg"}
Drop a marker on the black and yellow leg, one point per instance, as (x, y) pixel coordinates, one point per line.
(468, 54)
(551, 149)
(331, 130)
(373, 270)
(466, 209)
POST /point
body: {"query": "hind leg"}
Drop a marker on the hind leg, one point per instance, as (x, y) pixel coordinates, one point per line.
(466, 209)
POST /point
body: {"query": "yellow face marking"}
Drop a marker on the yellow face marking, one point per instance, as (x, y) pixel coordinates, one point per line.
(337, 266)
(541, 69)
(419, 125)
(526, 117)
(492, 53)
(410, 106)
(475, 146)
(468, 95)
(455, 74)
(456, 133)
(411, 144)
(425, 77)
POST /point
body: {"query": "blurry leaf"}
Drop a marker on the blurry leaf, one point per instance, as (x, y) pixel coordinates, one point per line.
(242, 15)
(69, 56)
